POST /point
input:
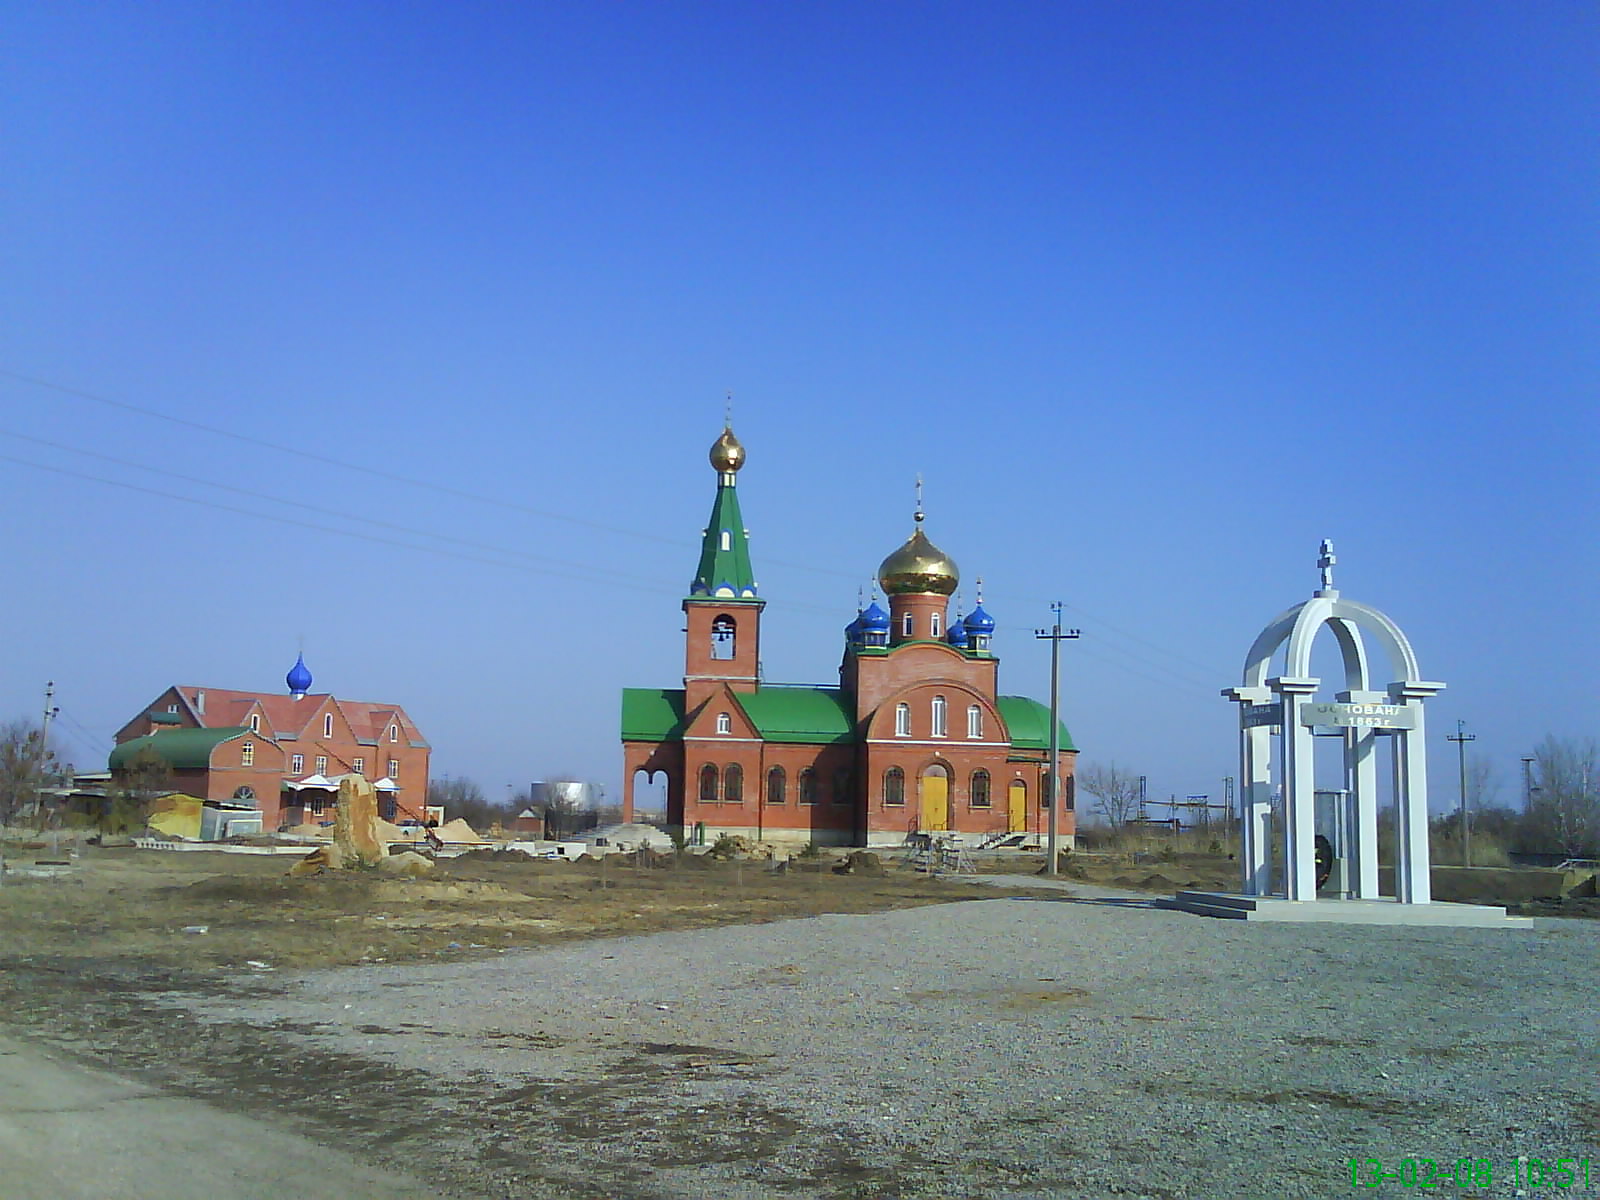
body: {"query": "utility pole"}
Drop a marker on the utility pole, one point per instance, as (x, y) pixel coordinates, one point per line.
(50, 713)
(1055, 636)
(1527, 781)
(1461, 739)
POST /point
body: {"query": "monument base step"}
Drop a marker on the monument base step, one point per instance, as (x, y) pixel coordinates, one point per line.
(1233, 906)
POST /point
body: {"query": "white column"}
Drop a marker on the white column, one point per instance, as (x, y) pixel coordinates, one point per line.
(1299, 792)
(1255, 794)
(1413, 884)
(1361, 778)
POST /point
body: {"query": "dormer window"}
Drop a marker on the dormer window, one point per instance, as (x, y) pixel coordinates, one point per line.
(327, 725)
(724, 723)
(727, 540)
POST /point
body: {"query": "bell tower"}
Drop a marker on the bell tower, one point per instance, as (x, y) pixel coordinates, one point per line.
(723, 627)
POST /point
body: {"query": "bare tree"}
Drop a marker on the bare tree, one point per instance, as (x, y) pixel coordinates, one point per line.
(563, 809)
(1564, 803)
(134, 788)
(27, 765)
(1115, 791)
(463, 798)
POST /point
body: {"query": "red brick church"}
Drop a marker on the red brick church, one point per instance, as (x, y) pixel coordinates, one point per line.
(916, 737)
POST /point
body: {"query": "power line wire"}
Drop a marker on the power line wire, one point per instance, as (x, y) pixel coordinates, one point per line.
(444, 489)
(349, 533)
(326, 512)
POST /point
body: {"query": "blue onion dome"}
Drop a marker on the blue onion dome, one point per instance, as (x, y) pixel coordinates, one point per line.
(979, 621)
(852, 631)
(298, 678)
(874, 620)
(957, 635)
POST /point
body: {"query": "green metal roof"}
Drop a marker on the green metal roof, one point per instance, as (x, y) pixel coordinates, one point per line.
(787, 713)
(182, 748)
(165, 718)
(725, 551)
(652, 714)
(1029, 722)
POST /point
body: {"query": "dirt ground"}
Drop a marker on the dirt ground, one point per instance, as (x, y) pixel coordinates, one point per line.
(86, 956)
(101, 960)
(196, 911)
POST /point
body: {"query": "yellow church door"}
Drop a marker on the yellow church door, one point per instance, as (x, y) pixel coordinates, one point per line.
(1017, 807)
(935, 803)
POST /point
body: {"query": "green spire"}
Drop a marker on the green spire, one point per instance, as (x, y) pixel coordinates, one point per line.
(725, 549)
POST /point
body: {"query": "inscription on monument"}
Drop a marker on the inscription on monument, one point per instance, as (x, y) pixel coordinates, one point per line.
(1262, 714)
(1359, 716)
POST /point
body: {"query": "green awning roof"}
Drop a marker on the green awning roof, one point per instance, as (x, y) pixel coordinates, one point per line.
(1029, 722)
(812, 715)
(182, 748)
(652, 714)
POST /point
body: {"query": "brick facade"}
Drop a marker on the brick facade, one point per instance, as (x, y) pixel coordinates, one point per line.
(287, 740)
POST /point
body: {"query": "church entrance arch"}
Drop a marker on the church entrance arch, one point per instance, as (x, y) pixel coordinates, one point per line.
(1279, 720)
(934, 787)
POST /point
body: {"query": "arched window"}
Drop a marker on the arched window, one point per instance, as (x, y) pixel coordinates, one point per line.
(843, 786)
(1069, 793)
(907, 626)
(723, 640)
(1044, 790)
(394, 733)
(727, 540)
(935, 624)
(808, 786)
(247, 755)
(708, 784)
(724, 723)
(246, 793)
(255, 722)
(902, 720)
(327, 725)
(776, 786)
(733, 784)
(894, 786)
(980, 789)
(941, 717)
(974, 721)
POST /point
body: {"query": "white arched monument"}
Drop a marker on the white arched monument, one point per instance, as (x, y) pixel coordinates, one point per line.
(1284, 708)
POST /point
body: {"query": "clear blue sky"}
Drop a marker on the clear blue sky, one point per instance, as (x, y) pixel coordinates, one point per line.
(1153, 295)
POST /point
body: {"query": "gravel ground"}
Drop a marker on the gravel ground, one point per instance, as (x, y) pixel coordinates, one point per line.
(1081, 1047)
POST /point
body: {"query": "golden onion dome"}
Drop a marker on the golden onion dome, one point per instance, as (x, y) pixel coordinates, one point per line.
(727, 452)
(919, 567)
